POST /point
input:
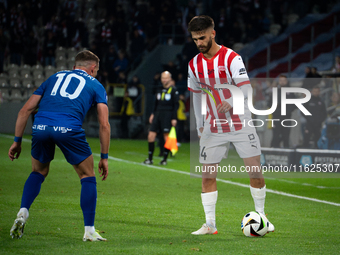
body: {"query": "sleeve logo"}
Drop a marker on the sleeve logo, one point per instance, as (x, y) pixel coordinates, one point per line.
(242, 71)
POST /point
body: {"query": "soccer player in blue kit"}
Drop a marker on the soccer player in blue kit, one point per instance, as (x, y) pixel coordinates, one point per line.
(63, 101)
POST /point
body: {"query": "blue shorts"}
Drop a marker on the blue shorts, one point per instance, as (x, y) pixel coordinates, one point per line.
(72, 143)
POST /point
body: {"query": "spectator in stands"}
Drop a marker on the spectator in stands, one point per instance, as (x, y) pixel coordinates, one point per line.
(137, 46)
(31, 49)
(70, 6)
(334, 106)
(156, 82)
(48, 9)
(126, 112)
(21, 24)
(314, 122)
(108, 62)
(312, 78)
(121, 63)
(280, 133)
(181, 83)
(3, 18)
(121, 78)
(3, 45)
(50, 45)
(16, 49)
(135, 92)
(189, 49)
(121, 32)
(307, 84)
(81, 37)
(315, 73)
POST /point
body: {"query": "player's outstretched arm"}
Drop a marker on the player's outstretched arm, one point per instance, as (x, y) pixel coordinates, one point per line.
(104, 137)
(23, 115)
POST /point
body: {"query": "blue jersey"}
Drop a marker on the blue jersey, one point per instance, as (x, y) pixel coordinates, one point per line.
(66, 98)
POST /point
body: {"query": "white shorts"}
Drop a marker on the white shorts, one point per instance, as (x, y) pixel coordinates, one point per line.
(214, 147)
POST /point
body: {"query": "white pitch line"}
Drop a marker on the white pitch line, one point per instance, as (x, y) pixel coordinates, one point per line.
(224, 181)
(220, 180)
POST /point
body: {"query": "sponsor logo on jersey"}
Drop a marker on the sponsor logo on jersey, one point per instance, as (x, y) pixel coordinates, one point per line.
(221, 69)
(167, 97)
(251, 137)
(210, 71)
(242, 71)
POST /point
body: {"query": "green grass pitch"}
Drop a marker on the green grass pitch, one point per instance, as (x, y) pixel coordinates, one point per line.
(153, 210)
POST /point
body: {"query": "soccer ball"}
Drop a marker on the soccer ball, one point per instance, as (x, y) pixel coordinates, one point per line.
(254, 224)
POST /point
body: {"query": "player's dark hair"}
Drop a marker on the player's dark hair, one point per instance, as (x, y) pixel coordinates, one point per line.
(200, 23)
(86, 57)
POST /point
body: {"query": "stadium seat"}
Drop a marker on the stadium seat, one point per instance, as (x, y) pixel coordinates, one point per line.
(37, 67)
(60, 52)
(3, 82)
(71, 53)
(14, 82)
(27, 92)
(49, 67)
(62, 68)
(13, 71)
(39, 76)
(61, 61)
(3, 75)
(27, 83)
(16, 95)
(37, 72)
(13, 67)
(38, 81)
(5, 94)
(26, 68)
(70, 62)
(26, 79)
(49, 72)
(25, 74)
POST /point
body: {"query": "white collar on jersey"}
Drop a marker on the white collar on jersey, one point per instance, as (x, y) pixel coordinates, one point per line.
(79, 70)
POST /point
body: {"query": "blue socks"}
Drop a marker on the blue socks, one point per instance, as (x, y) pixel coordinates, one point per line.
(88, 196)
(88, 199)
(31, 189)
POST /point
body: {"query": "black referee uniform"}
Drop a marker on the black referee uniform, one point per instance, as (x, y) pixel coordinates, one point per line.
(165, 109)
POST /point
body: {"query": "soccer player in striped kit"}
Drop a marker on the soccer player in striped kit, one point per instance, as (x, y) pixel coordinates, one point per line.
(217, 64)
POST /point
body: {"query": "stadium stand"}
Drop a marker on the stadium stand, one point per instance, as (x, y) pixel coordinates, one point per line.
(249, 27)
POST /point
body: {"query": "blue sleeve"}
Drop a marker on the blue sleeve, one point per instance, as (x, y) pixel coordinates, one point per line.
(41, 89)
(101, 96)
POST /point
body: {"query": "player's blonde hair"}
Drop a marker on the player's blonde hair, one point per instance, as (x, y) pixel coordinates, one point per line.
(200, 23)
(86, 58)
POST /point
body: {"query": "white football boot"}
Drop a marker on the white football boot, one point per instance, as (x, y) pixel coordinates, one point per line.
(271, 227)
(17, 229)
(206, 230)
(93, 237)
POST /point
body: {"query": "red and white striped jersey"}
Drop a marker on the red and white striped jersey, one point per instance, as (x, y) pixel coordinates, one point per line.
(226, 67)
